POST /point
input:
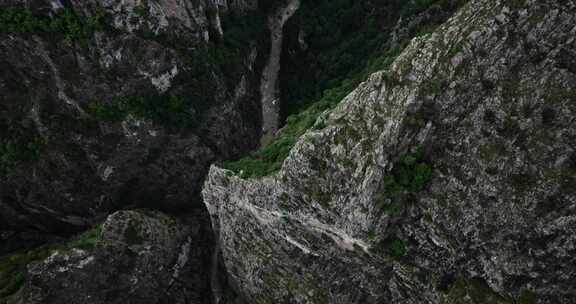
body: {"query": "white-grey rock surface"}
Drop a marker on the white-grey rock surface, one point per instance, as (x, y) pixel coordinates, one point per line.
(488, 101)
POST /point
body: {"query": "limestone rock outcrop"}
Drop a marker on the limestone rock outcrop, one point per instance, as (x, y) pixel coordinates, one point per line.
(449, 178)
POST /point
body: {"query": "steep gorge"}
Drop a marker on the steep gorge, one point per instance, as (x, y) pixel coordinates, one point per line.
(442, 173)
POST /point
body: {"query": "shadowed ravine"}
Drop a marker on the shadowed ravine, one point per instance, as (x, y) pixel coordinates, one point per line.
(269, 82)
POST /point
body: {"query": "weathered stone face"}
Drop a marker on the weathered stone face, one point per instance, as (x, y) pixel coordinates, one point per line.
(85, 166)
(487, 101)
(140, 257)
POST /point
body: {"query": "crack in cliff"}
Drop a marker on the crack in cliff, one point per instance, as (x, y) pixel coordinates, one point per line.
(269, 81)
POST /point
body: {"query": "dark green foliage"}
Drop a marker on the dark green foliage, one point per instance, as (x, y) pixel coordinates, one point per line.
(392, 246)
(346, 40)
(410, 174)
(167, 109)
(396, 247)
(270, 158)
(341, 35)
(204, 61)
(435, 87)
(349, 38)
(13, 267)
(143, 9)
(65, 25)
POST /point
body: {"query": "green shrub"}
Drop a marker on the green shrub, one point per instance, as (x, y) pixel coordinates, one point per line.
(410, 174)
(396, 247)
(392, 246)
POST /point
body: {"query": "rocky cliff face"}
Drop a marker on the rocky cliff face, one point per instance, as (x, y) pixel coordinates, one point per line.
(112, 104)
(449, 178)
(139, 257)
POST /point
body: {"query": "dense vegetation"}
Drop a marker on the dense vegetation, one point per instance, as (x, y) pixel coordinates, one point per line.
(65, 25)
(13, 266)
(348, 40)
(410, 174)
(345, 40)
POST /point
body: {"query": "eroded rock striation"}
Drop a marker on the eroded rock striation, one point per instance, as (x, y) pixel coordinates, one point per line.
(449, 178)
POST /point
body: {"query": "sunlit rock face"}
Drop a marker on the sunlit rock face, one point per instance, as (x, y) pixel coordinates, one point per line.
(486, 102)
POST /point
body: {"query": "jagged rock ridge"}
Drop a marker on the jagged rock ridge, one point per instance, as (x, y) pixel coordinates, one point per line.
(487, 102)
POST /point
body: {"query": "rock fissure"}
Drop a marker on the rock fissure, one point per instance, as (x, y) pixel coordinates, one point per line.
(269, 86)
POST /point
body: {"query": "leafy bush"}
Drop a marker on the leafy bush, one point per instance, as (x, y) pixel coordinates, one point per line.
(396, 247)
(410, 174)
(13, 267)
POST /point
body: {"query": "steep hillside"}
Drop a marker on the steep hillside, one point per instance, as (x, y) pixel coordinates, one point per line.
(109, 105)
(330, 48)
(448, 178)
(379, 151)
